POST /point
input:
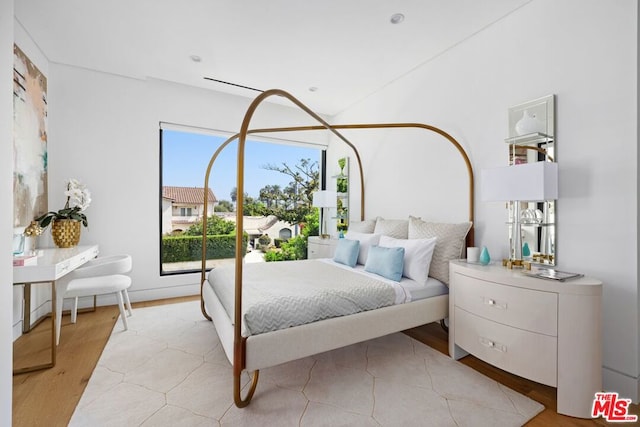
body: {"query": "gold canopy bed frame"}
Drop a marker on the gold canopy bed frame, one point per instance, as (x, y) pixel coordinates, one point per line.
(240, 342)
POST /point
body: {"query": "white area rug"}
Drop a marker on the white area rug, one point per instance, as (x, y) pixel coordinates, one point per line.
(169, 369)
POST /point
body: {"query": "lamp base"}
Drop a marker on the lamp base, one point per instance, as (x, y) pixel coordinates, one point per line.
(516, 263)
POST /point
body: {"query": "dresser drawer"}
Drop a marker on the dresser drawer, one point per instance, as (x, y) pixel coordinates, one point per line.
(530, 355)
(532, 310)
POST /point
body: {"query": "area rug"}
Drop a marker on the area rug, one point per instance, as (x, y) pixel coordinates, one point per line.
(169, 369)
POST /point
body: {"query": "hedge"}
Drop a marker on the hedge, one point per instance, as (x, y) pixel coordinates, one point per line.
(189, 248)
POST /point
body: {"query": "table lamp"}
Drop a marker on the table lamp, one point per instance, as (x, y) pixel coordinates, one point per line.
(530, 182)
(324, 199)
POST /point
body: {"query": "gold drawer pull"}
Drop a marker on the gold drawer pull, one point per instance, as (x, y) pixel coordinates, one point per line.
(493, 345)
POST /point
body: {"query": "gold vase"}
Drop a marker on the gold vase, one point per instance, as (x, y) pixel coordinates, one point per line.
(65, 232)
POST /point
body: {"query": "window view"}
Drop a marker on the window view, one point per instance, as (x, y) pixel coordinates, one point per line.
(278, 214)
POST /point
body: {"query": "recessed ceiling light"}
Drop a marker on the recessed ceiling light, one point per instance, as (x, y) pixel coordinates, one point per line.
(397, 18)
(195, 58)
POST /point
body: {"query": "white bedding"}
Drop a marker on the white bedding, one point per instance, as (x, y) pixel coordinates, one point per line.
(286, 294)
(407, 290)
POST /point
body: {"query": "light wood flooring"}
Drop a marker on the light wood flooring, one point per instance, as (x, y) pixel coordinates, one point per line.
(49, 397)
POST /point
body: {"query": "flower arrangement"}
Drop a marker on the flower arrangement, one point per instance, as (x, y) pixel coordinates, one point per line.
(78, 199)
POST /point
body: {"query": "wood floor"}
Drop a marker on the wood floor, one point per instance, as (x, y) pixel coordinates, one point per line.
(49, 397)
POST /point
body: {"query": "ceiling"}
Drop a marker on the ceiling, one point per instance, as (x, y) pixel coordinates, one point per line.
(346, 49)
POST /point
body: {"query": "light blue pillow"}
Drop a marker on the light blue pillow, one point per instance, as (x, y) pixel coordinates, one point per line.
(347, 252)
(386, 262)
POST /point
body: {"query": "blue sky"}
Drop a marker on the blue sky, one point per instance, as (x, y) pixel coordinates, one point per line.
(185, 157)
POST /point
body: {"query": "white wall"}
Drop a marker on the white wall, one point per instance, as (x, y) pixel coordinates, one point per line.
(104, 131)
(585, 52)
(6, 214)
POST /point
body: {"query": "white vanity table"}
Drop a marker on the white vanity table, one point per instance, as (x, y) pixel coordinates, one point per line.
(543, 330)
(53, 263)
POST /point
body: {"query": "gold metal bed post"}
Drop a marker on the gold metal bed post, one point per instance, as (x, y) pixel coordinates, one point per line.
(239, 358)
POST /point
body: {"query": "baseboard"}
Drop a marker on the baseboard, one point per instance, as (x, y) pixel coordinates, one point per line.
(627, 387)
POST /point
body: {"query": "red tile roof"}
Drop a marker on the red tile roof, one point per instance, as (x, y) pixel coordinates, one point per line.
(187, 195)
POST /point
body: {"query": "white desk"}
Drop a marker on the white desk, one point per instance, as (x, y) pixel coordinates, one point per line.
(53, 263)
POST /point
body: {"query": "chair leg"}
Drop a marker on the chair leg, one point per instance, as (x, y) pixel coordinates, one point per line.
(74, 310)
(123, 315)
(127, 302)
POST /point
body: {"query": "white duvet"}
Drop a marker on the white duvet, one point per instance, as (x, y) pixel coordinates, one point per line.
(278, 295)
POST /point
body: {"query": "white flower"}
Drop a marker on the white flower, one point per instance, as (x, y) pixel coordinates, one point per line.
(78, 196)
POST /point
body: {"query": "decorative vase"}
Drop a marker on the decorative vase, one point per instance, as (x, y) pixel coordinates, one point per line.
(484, 256)
(526, 252)
(529, 123)
(65, 232)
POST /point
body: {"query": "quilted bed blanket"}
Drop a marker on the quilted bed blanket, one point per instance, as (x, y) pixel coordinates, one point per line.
(278, 295)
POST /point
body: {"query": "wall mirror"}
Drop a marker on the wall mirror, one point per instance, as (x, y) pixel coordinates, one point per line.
(532, 139)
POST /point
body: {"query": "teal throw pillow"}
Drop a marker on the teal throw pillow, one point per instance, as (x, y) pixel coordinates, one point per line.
(386, 262)
(347, 252)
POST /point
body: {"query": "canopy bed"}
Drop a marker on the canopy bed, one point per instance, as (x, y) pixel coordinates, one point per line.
(252, 343)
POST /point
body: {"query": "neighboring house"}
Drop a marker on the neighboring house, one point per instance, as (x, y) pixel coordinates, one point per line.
(256, 226)
(184, 206)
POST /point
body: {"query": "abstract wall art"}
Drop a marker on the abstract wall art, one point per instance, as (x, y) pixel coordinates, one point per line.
(29, 140)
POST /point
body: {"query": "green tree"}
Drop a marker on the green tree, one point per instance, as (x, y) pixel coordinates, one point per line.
(298, 195)
(252, 207)
(270, 195)
(224, 206)
(215, 226)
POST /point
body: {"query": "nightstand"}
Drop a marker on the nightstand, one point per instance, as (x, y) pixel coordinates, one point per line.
(543, 330)
(321, 248)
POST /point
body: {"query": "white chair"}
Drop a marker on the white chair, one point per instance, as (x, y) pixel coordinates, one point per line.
(100, 276)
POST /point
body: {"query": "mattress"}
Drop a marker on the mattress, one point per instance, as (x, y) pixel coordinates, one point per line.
(292, 293)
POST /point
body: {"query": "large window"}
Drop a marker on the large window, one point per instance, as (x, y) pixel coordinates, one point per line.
(185, 154)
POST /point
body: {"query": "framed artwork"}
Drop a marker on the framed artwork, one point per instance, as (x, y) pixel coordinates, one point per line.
(29, 140)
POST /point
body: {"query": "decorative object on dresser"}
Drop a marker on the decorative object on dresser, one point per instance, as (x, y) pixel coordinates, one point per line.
(65, 223)
(485, 258)
(324, 199)
(546, 331)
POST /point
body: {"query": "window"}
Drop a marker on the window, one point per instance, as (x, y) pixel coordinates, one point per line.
(184, 155)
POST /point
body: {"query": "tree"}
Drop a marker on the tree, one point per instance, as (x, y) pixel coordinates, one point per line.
(215, 226)
(224, 206)
(234, 195)
(298, 195)
(270, 195)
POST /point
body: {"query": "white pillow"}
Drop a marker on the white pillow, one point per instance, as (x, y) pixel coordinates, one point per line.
(451, 238)
(366, 226)
(397, 228)
(417, 256)
(366, 241)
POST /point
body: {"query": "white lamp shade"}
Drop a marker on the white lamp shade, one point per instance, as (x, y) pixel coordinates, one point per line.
(532, 182)
(325, 199)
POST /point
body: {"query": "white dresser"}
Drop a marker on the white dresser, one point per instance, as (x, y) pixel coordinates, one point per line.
(543, 330)
(320, 248)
